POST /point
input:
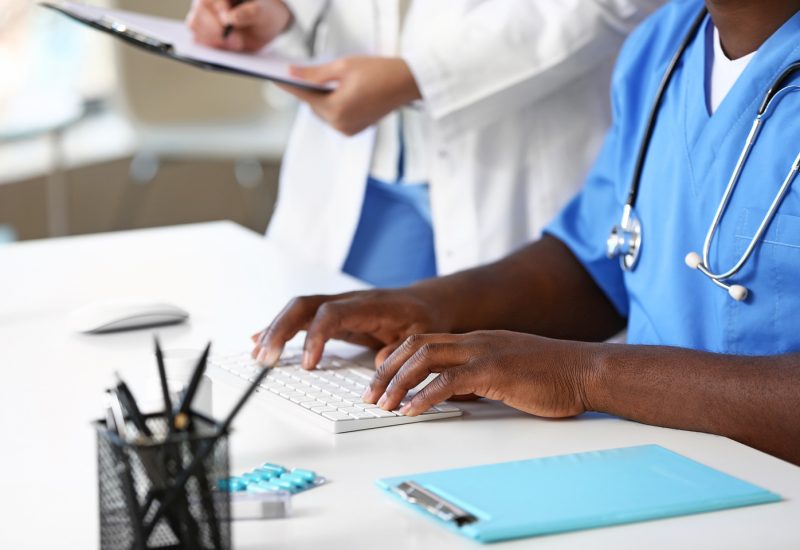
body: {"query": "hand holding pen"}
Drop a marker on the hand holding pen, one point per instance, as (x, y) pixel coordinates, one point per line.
(238, 25)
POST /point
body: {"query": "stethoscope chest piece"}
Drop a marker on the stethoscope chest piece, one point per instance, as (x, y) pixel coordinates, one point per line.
(625, 240)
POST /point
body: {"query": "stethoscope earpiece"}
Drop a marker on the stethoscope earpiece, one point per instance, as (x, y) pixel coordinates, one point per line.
(693, 260)
(737, 292)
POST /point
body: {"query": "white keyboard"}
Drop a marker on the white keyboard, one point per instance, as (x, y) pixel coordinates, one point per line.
(330, 395)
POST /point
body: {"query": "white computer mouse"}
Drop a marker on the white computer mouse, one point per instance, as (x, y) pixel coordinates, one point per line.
(119, 315)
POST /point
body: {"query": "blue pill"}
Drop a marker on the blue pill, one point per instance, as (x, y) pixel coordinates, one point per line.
(232, 485)
(266, 474)
(250, 477)
(297, 481)
(273, 467)
(285, 484)
(263, 487)
(308, 475)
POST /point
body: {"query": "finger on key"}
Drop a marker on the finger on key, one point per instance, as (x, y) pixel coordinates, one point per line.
(332, 318)
(451, 382)
(434, 357)
(389, 367)
(393, 363)
(291, 320)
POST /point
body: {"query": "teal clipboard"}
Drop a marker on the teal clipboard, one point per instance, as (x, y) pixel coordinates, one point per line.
(571, 492)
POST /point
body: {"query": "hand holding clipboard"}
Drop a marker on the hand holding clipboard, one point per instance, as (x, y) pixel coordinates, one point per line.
(172, 39)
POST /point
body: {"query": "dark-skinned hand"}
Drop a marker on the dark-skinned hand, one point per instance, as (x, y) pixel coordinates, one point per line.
(540, 376)
(378, 319)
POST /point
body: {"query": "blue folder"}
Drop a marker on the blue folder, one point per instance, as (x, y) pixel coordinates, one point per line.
(571, 492)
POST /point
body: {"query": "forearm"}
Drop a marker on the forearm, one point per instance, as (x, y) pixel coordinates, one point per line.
(541, 289)
(472, 73)
(753, 400)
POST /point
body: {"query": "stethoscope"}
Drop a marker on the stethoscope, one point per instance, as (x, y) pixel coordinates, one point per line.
(625, 240)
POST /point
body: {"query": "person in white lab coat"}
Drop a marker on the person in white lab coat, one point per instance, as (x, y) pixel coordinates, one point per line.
(457, 130)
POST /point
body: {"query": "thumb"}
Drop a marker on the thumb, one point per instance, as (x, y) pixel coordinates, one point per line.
(319, 74)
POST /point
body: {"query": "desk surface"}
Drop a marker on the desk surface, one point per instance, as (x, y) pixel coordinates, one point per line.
(233, 281)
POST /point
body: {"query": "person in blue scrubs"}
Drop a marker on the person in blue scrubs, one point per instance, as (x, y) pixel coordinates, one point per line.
(530, 330)
(393, 243)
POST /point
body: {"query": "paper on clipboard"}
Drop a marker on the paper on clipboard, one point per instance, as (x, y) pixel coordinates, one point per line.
(174, 33)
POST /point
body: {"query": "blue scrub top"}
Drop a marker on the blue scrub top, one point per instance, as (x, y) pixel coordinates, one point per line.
(691, 157)
(393, 244)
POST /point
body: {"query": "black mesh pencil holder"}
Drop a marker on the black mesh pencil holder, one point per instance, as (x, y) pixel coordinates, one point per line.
(140, 506)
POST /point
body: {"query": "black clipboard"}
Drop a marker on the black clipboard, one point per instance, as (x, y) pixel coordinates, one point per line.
(118, 29)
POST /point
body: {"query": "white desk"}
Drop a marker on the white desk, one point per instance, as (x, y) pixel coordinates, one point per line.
(232, 282)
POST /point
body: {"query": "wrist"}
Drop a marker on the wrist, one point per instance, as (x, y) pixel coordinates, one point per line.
(408, 90)
(594, 376)
(437, 302)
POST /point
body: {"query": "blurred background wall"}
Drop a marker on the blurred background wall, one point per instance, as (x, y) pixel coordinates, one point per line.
(97, 136)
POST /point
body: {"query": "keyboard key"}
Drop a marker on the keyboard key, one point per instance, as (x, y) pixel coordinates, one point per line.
(336, 415)
(379, 413)
(360, 374)
(351, 410)
(289, 394)
(302, 398)
(400, 406)
(323, 409)
(446, 407)
(312, 404)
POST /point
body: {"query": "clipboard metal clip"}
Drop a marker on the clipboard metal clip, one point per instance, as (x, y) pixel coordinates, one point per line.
(415, 494)
(131, 35)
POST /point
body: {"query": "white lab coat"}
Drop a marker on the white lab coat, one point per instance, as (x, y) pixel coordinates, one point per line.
(516, 97)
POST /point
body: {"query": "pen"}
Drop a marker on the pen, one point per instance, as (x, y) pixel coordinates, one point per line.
(181, 420)
(129, 404)
(201, 455)
(116, 411)
(162, 375)
(229, 28)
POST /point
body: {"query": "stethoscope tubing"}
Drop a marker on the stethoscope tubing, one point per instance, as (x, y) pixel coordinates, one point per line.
(775, 92)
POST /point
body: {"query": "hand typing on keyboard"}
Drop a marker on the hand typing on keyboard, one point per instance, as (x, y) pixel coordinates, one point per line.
(537, 375)
(330, 395)
(379, 319)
